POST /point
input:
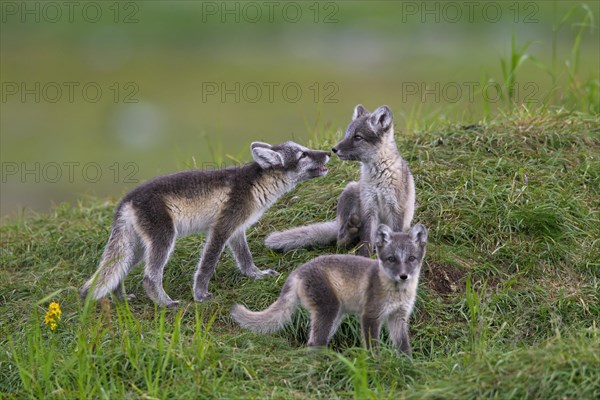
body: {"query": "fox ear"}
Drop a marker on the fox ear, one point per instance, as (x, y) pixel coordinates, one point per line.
(254, 145)
(418, 233)
(265, 157)
(381, 119)
(359, 111)
(382, 235)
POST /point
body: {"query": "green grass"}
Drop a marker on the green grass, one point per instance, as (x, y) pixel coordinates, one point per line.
(508, 304)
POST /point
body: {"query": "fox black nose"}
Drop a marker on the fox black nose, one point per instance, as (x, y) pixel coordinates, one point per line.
(404, 277)
(334, 150)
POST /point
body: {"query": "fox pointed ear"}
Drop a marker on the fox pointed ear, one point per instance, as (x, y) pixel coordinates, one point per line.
(253, 145)
(418, 233)
(382, 235)
(265, 157)
(359, 111)
(381, 119)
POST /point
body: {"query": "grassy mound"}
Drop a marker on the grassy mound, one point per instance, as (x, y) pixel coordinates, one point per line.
(508, 304)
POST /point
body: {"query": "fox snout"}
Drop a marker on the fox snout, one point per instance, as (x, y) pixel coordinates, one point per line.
(343, 153)
(318, 160)
(321, 157)
(402, 277)
(338, 148)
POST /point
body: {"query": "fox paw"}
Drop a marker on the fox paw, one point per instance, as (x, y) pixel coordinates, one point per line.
(121, 297)
(257, 273)
(168, 303)
(172, 304)
(202, 296)
(348, 232)
(353, 224)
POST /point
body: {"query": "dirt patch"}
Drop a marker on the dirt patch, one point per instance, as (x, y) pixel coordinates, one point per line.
(445, 279)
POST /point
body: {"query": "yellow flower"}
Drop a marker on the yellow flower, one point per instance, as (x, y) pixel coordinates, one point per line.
(55, 308)
(53, 315)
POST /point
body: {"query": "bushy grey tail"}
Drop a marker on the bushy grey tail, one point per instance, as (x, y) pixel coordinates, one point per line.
(120, 254)
(273, 318)
(319, 234)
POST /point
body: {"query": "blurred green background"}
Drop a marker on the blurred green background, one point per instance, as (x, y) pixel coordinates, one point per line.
(97, 96)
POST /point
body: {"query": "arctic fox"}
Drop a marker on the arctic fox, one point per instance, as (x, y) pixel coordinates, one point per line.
(385, 193)
(222, 202)
(329, 287)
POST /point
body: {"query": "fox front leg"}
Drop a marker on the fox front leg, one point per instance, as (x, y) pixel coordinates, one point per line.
(348, 215)
(371, 328)
(239, 247)
(398, 328)
(367, 232)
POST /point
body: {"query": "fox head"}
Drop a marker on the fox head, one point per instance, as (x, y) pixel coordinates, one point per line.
(297, 162)
(366, 134)
(400, 255)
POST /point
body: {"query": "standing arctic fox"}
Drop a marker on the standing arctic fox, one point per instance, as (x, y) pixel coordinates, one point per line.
(223, 202)
(385, 193)
(331, 286)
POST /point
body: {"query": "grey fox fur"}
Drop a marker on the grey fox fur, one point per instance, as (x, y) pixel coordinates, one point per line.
(223, 202)
(329, 287)
(385, 193)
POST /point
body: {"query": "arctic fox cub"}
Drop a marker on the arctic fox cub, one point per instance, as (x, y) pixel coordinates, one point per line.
(221, 202)
(385, 193)
(329, 287)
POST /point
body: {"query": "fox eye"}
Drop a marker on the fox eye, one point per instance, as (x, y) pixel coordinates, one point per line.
(412, 258)
(303, 155)
(358, 138)
(391, 259)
